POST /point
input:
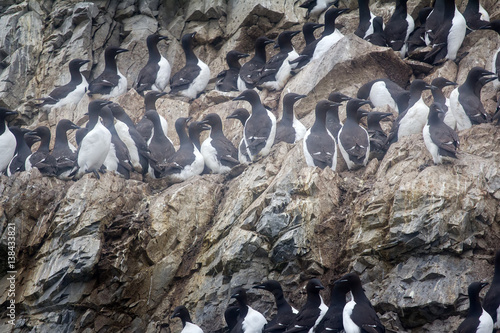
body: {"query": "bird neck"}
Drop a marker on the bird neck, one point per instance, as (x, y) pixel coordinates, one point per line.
(260, 52)
(76, 76)
(319, 123)
(110, 64)
(44, 144)
(154, 54)
(475, 308)
(3, 125)
(364, 10)
(313, 299)
(233, 63)
(329, 27)
(496, 276)
(472, 6)
(195, 138)
(401, 7)
(438, 96)
(190, 56)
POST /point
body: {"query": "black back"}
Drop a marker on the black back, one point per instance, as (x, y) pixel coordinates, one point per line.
(147, 75)
(250, 71)
(109, 78)
(184, 77)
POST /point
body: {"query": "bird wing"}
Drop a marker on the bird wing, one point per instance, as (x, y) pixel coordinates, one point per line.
(474, 109)
(364, 316)
(183, 78)
(395, 33)
(104, 83)
(272, 66)
(322, 151)
(445, 138)
(250, 71)
(354, 141)
(146, 77)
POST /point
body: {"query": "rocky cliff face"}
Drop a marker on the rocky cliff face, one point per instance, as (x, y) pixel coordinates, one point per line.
(116, 255)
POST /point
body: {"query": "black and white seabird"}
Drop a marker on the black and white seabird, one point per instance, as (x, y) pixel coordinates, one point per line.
(42, 159)
(332, 321)
(218, 152)
(448, 38)
(378, 138)
(133, 140)
(70, 93)
(22, 152)
(378, 36)
(316, 7)
(63, 152)
(437, 94)
(465, 105)
(495, 62)
(358, 314)
(319, 144)
(145, 126)
(187, 324)
(382, 92)
(433, 21)
(491, 302)
(160, 147)
(249, 320)
(312, 312)
(278, 69)
(111, 83)
(156, 74)
(289, 129)
(311, 42)
(260, 128)
(118, 158)
(353, 140)
(475, 15)
(7, 139)
(333, 123)
(242, 115)
(285, 312)
(227, 80)
(414, 118)
(417, 37)
(330, 35)
(399, 27)
(250, 71)
(365, 26)
(187, 161)
(95, 145)
(477, 320)
(193, 78)
(440, 140)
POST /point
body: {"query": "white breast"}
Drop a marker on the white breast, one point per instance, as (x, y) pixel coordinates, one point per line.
(380, 96)
(283, 73)
(124, 135)
(191, 328)
(326, 43)
(111, 161)
(456, 35)
(484, 14)
(449, 119)
(430, 145)
(163, 75)
(300, 129)
(349, 325)
(210, 156)
(7, 148)
(199, 83)
(75, 96)
(94, 149)
(463, 121)
(414, 120)
(272, 135)
(485, 323)
(254, 322)
(496, 83)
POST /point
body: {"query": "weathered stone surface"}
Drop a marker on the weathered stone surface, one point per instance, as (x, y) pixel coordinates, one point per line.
(118, 255)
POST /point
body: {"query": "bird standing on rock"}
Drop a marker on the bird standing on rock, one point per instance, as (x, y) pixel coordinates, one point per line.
(7, 139)
(465, 105)
(333, 123)
(156, 74)
(193, 78)
(285, 312)
(260, 128)
(289, 129)
(227, 80)
(242, 115)
(95, 145)
(278, 69)
(319, 144)
(70, 93)
(249, 320)
(63, 152)
(440, 140)
(250, 71)
(111, 83)
(399, 27)
(358, 314)
(312, 312)
(42, 159)
(353, 140)
(218, 152)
